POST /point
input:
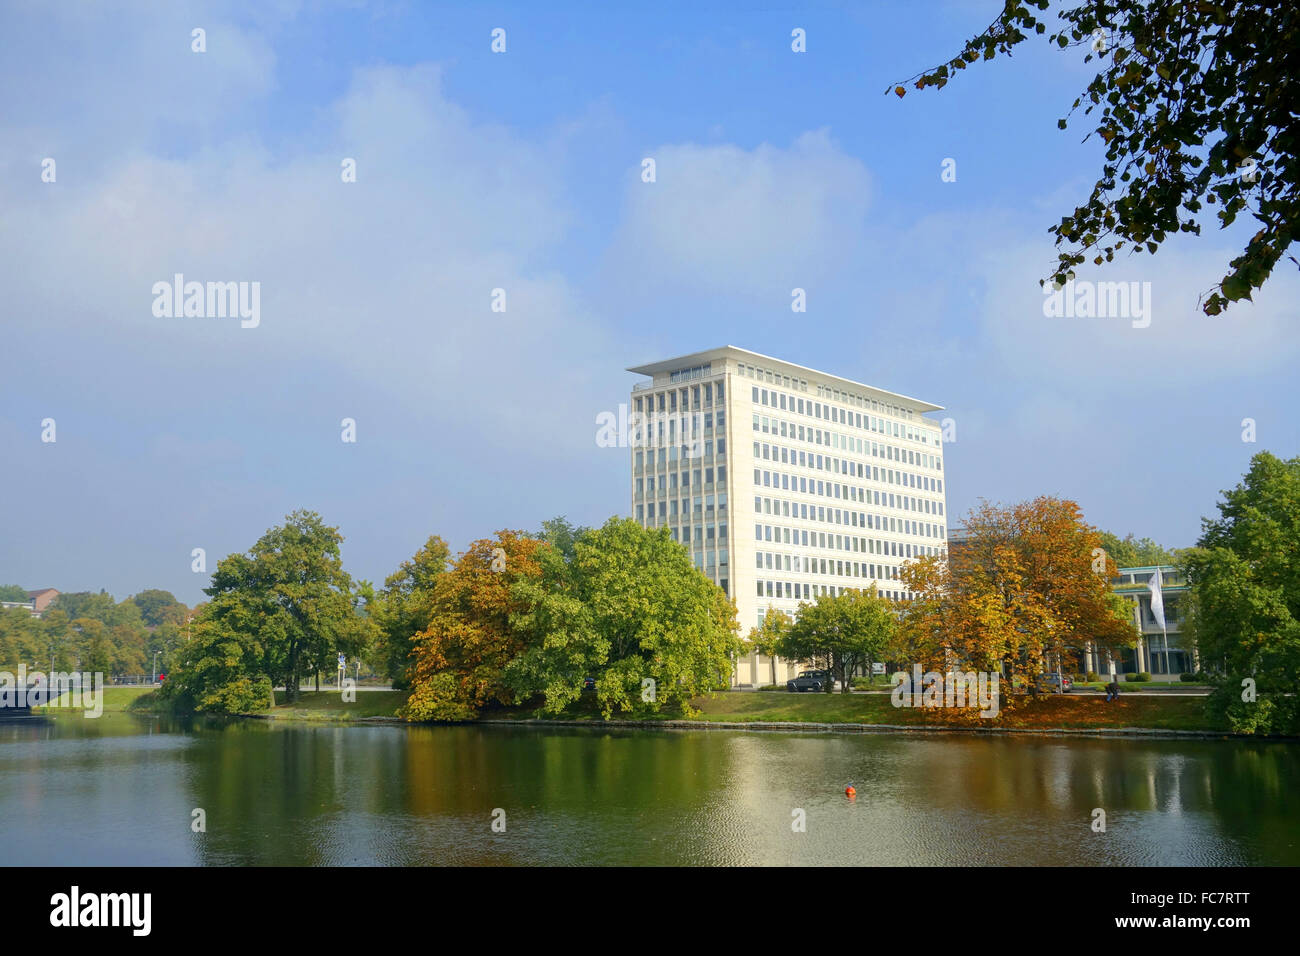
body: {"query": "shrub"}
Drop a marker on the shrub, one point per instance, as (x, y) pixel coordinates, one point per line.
(1186, 678)
(244, 695)
(1093, 677)
(1139, 678)
(1130, 677)
(772, 687)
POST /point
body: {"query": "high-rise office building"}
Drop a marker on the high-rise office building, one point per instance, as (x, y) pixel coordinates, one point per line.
(783, 482)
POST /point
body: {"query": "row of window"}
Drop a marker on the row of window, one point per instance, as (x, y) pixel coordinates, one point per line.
(669, 456)
(824, 391)
(668, 482)
(831, 489)
(812, 564)
(668, 509)
(668, 401)
(861, 446)
(854, 446)
(842, 416)
(653, 430)
(828, 540)
(804, 591)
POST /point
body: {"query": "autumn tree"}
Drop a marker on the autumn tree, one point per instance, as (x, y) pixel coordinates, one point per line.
(1199, 106)
(405, 607)
(458, 660)
(1028, 589)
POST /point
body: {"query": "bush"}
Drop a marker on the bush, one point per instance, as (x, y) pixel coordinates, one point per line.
(244, 695)
(772, 687)
(1186, 678)
(1271, 714)
(862, 683)
(1093, 677)
(1130, 677)
(1140, 678)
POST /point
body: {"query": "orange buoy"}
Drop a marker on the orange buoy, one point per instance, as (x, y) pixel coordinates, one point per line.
(849, 791)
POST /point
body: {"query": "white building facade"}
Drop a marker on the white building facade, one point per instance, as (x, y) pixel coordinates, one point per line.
(784, 482)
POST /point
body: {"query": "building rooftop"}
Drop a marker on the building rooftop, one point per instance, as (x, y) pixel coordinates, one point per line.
(732, 351)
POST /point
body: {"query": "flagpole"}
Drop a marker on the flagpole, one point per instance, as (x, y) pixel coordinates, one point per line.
(1164, 634)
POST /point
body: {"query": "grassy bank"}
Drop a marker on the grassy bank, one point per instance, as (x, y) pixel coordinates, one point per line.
(1060, 711)
(1069, 712)
(117, 700)
(326, 706)
(1066, 712)
(310, 706)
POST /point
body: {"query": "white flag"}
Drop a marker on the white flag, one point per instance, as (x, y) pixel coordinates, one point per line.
(1157, 600)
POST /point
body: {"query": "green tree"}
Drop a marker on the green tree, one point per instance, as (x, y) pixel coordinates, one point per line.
(842, 633)
(1131, 552)
(766, 638)
(630, 611)
(283, 610)
(13, 592)
(156, 606)
(222, 667)
(94, 649)
(21, 639)
(562, 535)
(1188, 93)
(1245, 576)
(405, 607)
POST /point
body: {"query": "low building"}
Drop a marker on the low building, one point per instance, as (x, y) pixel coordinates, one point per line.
(1159, 651)
(42, 599)
(36, 604)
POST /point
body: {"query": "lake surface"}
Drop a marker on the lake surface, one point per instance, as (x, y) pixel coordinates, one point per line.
(121, 790)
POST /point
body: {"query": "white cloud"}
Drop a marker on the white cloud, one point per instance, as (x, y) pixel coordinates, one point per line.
(742, 222)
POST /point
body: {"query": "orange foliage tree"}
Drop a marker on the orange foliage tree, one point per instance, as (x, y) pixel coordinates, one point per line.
(458, 660)
(1027, 591)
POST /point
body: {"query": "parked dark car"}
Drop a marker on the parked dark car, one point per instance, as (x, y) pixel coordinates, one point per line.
(1052, 684)
(808, 680)
(589, 683)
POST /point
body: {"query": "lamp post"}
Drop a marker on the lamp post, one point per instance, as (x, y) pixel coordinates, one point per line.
(154, 678)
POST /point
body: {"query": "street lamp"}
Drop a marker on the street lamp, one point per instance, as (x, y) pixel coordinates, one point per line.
(154, 679)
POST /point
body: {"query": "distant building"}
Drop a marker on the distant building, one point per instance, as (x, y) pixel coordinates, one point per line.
(36, 603)
(42, 599)
(1149, 655)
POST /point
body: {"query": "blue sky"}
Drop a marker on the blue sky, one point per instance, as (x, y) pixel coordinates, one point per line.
(520, 171)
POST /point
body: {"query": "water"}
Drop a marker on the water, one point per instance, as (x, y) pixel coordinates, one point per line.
(121, 790)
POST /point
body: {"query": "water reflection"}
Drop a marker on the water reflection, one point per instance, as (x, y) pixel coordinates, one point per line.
(121, 790)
